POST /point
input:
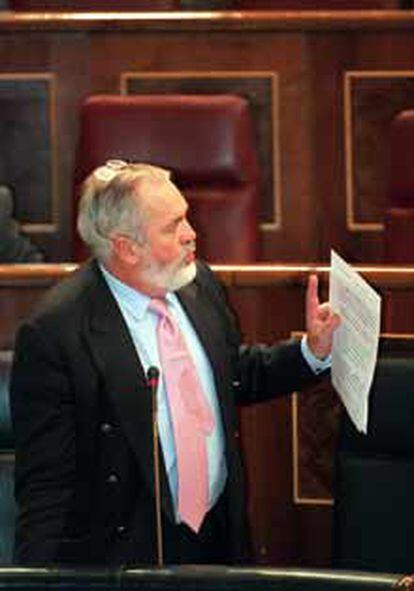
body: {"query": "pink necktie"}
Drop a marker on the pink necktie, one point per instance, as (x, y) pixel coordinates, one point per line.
(191, 417)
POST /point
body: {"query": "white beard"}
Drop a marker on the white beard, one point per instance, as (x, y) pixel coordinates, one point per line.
(169, 278)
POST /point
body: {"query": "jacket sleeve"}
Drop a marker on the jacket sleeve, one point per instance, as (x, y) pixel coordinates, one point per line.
(42, 411)
(260, 371)
(268, 371)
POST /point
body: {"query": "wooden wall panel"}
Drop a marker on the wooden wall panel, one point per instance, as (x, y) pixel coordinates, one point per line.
(28, 146)
(372, 99)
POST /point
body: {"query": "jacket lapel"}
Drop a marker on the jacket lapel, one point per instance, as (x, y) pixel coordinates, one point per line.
(123, 375)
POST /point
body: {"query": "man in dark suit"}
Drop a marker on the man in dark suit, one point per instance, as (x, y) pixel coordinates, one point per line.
(80, 400)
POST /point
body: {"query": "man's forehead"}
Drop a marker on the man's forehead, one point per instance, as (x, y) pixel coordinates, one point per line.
(156, 193)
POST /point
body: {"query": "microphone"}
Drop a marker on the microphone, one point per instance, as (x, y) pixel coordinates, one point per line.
(153, 376)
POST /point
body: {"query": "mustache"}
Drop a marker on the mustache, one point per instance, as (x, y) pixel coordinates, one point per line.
(189, 248)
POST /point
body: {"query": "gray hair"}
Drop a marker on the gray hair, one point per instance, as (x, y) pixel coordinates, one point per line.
(106, 206)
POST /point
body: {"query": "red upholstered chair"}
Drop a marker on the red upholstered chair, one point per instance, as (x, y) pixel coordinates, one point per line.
(399, 215)
(206, 141)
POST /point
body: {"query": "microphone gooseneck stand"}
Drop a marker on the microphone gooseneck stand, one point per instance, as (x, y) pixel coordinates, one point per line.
(153, 375)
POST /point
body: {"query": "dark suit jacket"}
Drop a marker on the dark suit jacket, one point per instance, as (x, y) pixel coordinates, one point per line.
(81, 412)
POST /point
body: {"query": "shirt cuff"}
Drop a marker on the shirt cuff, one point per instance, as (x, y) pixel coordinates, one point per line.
(316, 365)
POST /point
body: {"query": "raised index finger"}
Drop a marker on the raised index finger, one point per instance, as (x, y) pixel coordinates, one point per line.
(312, 298)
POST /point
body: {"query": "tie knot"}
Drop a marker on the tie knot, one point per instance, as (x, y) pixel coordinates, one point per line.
(159, 306)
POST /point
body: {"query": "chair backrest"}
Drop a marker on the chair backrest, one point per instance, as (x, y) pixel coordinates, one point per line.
(374, 509)
(208, 144)
(399, 212)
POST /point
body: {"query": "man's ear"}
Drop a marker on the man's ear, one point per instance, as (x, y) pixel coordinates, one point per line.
(126, 250)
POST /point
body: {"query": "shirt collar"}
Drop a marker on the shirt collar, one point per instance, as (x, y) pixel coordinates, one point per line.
(135, 301)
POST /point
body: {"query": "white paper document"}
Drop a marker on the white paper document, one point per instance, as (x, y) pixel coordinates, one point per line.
(355, 343)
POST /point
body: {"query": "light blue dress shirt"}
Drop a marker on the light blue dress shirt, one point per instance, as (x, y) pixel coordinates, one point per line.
(142, 323)
(316, 365)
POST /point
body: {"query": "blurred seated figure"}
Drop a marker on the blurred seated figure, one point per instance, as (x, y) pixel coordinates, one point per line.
(14, 247)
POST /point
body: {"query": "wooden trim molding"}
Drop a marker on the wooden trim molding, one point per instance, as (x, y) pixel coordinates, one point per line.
(265, 20)
(400, 278)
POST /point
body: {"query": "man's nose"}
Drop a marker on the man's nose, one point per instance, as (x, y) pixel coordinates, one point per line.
(189, 234)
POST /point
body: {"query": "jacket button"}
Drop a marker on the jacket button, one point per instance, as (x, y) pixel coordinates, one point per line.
(121, 529)
(106, 428)
(112, 479)
(236, 383)
(236, 434)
